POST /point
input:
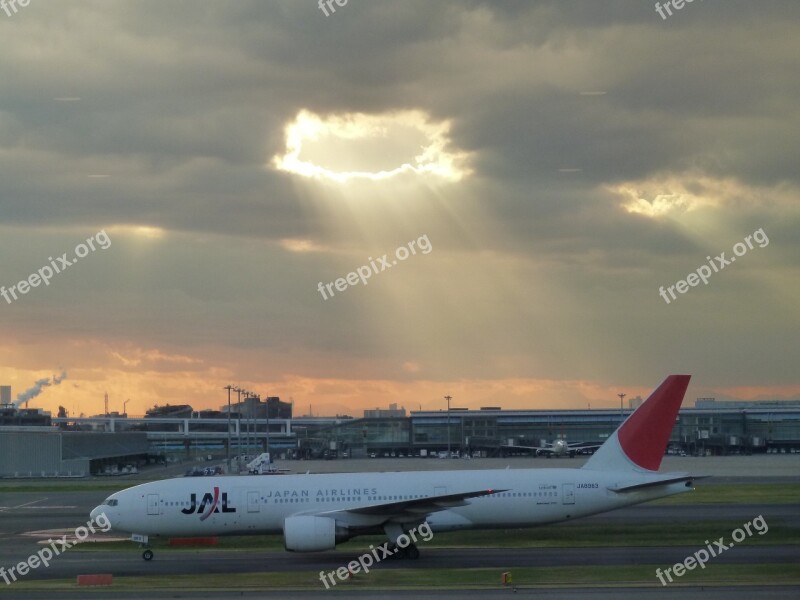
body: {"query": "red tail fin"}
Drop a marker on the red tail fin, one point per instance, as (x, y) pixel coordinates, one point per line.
(642, 439)
(645, 434)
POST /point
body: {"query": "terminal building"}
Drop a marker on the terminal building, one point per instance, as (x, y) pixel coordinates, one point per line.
(714, 429)
(494, 432)
(32, 443)
(47, 452)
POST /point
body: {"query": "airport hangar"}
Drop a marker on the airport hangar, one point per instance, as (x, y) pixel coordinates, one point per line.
(48, 447)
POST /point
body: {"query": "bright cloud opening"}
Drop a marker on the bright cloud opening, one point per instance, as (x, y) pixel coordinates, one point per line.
(374, 147)
(139, 231)
(300, 245)
(679, 193)
(659, 197)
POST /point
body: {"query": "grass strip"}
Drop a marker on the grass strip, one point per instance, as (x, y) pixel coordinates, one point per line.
(397, 579)
(573, 535)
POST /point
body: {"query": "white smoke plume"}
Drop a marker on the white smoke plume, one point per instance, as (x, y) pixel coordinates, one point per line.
(37, 388)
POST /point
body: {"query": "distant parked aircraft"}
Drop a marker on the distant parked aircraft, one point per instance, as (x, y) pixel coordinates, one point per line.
(557, 448)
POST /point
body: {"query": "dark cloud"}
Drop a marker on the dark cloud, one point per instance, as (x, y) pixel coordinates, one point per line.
(182, 106)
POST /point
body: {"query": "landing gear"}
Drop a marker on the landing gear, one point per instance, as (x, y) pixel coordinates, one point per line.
(143, 542)
(410, 552)
(395, 532)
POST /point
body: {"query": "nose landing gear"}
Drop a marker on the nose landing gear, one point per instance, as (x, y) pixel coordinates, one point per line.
(143, 543)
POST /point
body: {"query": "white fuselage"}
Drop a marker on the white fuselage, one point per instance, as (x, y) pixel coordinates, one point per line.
(259, 505)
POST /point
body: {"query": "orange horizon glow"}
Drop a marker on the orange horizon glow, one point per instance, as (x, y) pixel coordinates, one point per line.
(330, 397)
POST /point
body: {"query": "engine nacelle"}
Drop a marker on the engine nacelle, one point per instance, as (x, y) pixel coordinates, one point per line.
(307, 533)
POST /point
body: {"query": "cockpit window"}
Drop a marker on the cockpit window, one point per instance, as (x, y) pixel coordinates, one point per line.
(111, 501)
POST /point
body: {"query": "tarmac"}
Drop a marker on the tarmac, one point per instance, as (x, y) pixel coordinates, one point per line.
(28, 518)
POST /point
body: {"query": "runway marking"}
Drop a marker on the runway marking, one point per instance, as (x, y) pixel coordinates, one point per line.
(57, 532)
(47, 507)
(44, 535)
(7, 508)
(93, 540)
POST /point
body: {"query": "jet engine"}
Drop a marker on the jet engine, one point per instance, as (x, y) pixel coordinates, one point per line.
(307, 533)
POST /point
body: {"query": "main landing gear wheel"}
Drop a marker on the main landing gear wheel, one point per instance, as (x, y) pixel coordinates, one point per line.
(394, 532)
(147, 554)
(410, 552)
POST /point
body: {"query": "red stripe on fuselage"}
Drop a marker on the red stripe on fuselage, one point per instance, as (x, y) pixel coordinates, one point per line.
(213, 505)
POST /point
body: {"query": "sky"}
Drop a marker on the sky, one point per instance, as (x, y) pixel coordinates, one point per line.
(393, 201)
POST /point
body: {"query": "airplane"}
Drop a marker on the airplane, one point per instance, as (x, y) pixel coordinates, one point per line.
(315, 512)
(557, 448)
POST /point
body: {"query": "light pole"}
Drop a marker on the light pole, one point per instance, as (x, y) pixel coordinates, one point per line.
(461, 439)
(254, 413)
(448, 398)
(621, 416)
(246, 394)
(267, 408)
(238, 391)
(252, 437)
(228, 450)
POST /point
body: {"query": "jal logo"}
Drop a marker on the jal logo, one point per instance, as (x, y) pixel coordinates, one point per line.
(212, 501)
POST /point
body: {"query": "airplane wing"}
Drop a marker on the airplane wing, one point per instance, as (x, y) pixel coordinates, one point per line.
(544, 451)
(539, 450)
(404, 509)
(532, 448)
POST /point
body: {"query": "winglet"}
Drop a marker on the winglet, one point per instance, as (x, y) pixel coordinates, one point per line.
(641, 440)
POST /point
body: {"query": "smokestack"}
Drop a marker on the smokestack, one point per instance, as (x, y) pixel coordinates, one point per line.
(37, 388)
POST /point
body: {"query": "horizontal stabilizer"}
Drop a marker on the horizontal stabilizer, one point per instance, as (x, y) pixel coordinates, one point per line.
(658, 482)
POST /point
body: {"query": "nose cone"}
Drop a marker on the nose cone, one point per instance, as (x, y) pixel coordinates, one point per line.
(96, 512)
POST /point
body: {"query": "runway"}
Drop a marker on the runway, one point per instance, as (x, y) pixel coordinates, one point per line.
(778, 592)
(122, 563)
(23, 513)
(32, 517)
(27, 518)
